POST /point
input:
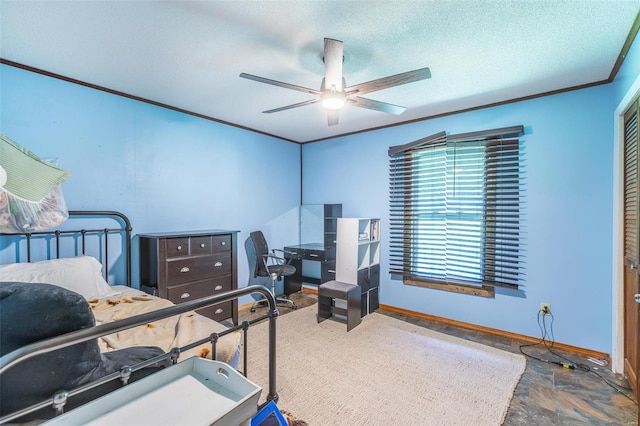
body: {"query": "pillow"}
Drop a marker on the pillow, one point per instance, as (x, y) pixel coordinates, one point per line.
(82, 274)
(28, 176)
(33, 312)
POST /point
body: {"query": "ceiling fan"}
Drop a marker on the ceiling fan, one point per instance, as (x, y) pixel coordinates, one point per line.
(334, 93)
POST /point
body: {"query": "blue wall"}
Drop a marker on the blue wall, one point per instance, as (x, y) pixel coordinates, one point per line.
(167, 171)
(568, 165)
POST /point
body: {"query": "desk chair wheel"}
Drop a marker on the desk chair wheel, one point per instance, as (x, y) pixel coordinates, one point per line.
(280, 301)
(284, 301)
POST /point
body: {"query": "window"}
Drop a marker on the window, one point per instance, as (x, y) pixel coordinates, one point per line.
(455, 211)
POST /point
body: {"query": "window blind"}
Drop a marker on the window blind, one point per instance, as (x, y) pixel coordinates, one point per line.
(455, 206)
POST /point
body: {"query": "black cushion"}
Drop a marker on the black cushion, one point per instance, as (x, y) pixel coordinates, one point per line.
(32, 312)
(282, 270)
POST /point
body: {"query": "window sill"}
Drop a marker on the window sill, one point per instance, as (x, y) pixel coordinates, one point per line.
(482, 291)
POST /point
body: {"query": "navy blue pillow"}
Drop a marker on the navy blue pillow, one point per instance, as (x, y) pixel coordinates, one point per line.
(31, 312)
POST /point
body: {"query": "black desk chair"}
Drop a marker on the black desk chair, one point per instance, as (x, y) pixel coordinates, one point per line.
(272, 266)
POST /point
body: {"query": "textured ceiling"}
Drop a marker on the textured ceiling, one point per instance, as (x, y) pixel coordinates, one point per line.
(189, 54)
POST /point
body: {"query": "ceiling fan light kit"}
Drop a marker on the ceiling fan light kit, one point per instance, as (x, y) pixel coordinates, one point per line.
(333, 100)
(334, 93)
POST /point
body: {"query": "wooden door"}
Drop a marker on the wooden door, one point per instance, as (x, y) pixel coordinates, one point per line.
(631, 247)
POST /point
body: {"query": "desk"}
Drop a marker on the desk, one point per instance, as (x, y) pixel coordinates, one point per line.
(315, 252)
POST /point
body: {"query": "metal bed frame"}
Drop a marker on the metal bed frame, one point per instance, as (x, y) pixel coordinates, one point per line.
(102, 233)
(59, 400)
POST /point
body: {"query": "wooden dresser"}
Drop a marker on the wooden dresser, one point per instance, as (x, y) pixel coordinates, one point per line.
(183, 266)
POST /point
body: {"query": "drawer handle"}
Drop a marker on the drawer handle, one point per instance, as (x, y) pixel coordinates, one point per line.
(218, 287)
(203, 245)
(331, 271)
(219, 311)
(313, 255)
(223, 243)
(185, 296)
(179, 248)
(217, 264)
(184, 270)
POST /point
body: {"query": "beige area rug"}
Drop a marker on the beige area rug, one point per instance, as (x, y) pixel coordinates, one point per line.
(383, 372)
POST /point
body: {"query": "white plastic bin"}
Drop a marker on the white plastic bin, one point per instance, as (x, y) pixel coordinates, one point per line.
(196, 391)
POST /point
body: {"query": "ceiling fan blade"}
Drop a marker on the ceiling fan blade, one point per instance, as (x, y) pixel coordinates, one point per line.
(376, 105)
(391, 81)
(280, 84)
(299, 104)
(332, 116)
(333, 56)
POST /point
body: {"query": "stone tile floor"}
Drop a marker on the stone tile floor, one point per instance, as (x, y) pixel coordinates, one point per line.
(547, 394)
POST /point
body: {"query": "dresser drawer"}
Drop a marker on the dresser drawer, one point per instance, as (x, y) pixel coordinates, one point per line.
(219, 312)
(198, 289)
(175, 247)
(194, 268)
(221, 243)
(195, 246)
(201, 245)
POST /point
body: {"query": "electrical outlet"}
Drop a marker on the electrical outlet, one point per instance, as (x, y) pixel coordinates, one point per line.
(545, 308)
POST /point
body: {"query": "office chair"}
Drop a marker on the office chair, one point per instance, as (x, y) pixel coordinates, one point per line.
(272, 266)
